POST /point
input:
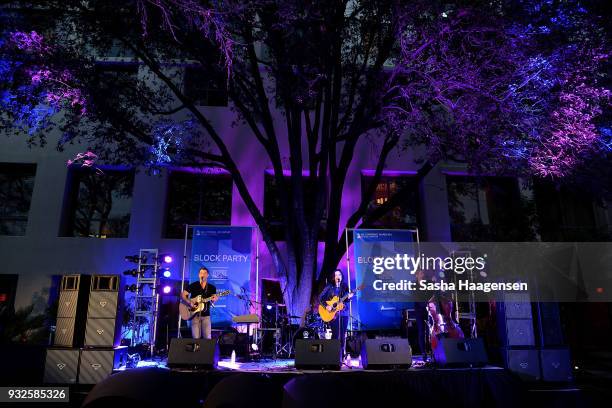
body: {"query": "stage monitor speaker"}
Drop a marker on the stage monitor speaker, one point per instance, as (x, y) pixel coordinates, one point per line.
(524, 363)
(556, 365)
(61, 366)
(196, 353)
(72, 310)
(386, 353)
(318, 354)
(97, 364)
(460, 352)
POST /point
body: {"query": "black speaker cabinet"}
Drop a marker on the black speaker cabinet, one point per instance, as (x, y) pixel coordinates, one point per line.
(386, 353)
(195, 353)
(524, 363)
(72, 310)
(460, 352)
(318, 354)
(61, 366)
(97, 364)
(556, 365)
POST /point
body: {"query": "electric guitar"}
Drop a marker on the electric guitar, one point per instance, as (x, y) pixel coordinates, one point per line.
(188, 312)
(336, 304)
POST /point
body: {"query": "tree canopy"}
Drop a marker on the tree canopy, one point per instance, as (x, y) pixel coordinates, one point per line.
(508, 87)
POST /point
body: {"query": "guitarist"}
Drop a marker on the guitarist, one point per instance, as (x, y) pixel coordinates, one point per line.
(337, 288)
(200, 324)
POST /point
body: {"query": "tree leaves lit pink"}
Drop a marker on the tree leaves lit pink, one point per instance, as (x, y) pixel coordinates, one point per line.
(58, 84)
(86, 159)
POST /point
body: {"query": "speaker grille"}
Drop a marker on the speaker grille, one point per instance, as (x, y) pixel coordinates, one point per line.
(100, 333)
(61, 366)
(524, 363)
(67, 303)
(102, 305)
(520, 332)
(64, 332)
(96, 365)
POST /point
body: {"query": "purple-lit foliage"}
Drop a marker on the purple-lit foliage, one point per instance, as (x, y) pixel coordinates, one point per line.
(506, 87)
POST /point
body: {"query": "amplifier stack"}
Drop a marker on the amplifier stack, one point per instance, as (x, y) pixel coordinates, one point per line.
(88, 331)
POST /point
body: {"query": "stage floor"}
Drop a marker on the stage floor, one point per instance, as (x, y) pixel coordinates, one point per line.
(270, 365)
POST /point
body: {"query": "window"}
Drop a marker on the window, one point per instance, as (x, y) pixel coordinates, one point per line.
(206, 87)
(99, 203)
(16, 186)
(569, 215)
(273, 211)
(403, 215)
(487, 209)
(197, 199)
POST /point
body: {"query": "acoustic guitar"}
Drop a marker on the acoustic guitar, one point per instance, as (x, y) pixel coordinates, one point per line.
(336, 304)
(188, 312)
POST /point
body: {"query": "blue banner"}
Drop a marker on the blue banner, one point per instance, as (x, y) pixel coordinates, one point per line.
(226, 252)
(376, 310)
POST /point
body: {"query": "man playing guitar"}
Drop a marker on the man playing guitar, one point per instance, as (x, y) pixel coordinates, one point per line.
(200, 324)
(340, 289)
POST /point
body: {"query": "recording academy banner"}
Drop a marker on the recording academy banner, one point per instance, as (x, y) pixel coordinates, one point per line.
(376, 310)
(226, 252)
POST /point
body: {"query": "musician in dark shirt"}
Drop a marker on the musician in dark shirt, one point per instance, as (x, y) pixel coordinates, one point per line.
(337, 288)
(200, 324)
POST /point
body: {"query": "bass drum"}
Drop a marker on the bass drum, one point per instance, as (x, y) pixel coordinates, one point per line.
(305, 333)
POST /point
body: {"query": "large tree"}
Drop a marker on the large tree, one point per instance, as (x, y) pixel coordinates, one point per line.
(503, 87)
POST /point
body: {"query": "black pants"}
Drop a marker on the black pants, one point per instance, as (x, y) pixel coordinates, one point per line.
(338, 328)
(420, 312)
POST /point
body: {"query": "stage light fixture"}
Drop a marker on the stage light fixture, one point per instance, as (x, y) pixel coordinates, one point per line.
(135, 259)
(131, 288)
(166, 258)
(269, 307)
(167, 289)
(167, 273)
(131, 272)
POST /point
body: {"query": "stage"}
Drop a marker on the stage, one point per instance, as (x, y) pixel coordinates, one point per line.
(277, 383)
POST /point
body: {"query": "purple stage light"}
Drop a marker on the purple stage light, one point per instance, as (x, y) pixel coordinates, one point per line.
(167, 258)
(167, 273)
(167, 289)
